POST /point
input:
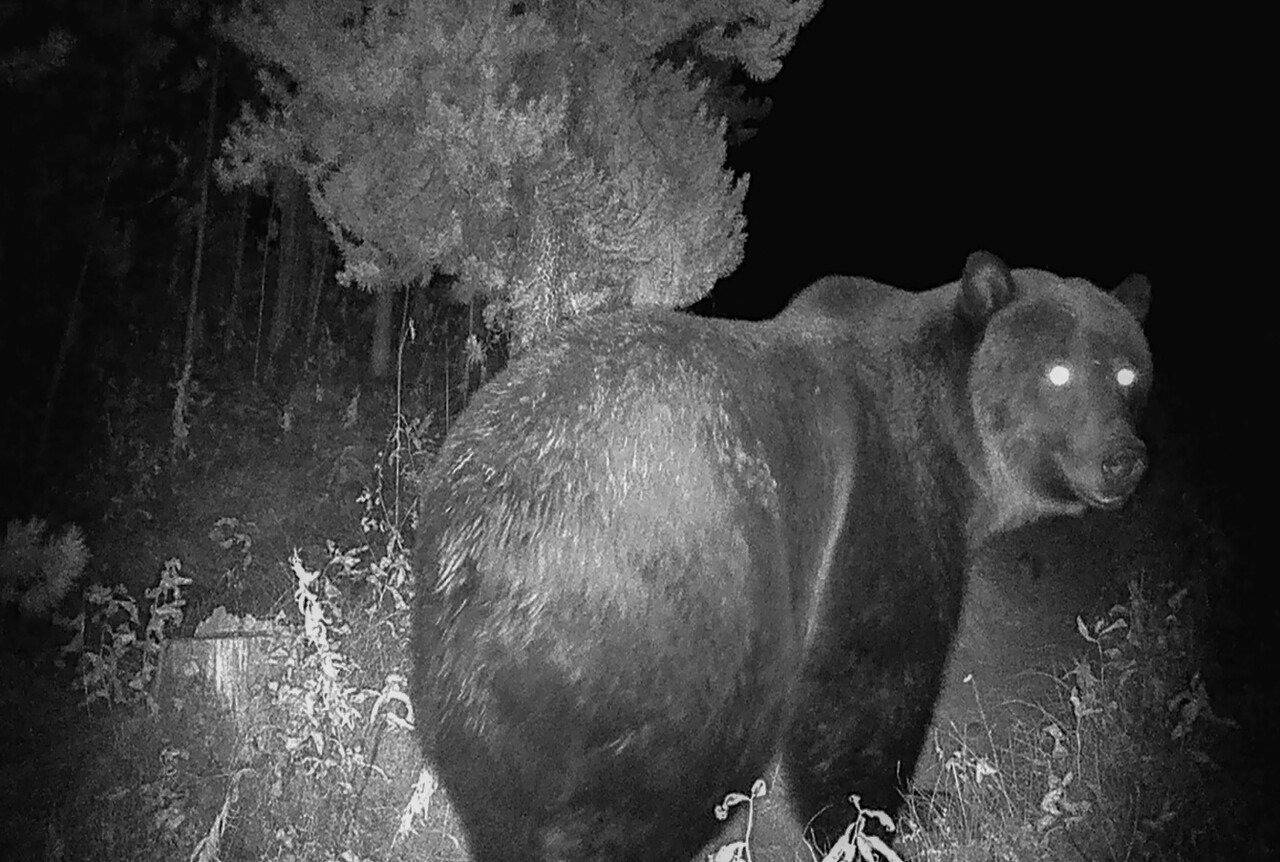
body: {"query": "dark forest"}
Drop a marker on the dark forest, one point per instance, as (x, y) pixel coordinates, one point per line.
(209, 363)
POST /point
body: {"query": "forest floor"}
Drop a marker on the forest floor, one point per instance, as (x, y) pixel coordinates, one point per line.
(296, 488)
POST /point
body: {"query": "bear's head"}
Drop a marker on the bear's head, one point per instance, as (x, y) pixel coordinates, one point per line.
(1057, 382)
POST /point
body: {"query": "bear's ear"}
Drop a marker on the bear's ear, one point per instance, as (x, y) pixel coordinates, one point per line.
(1135, 294)
(985, 288)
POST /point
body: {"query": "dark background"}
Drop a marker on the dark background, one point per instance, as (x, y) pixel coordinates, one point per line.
(1087, 147)
(1078, 146)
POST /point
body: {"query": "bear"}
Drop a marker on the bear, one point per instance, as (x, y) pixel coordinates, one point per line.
(659, 553)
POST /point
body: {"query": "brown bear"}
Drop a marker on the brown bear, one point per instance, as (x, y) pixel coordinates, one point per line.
(661, 552)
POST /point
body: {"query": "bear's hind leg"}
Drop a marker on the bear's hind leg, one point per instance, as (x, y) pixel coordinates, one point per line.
(863, 742)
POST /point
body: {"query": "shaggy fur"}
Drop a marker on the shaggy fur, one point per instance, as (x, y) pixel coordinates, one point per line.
(661, 552)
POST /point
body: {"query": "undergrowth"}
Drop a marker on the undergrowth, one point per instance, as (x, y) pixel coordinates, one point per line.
(318, 763)
(1112, 766)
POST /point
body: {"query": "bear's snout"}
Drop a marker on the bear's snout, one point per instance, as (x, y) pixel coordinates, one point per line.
(1123, 467)
(1103, 477)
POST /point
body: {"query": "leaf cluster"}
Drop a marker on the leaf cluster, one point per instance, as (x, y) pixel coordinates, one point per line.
(540, 153)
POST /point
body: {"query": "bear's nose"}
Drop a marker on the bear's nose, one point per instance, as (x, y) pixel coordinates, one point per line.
(1122, 468)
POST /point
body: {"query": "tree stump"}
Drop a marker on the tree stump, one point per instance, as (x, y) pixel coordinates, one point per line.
(226, 657)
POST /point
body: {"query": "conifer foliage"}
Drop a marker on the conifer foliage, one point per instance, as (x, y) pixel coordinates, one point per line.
(538, 151)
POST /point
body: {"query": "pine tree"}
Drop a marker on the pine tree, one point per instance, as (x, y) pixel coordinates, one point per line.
(538, 152)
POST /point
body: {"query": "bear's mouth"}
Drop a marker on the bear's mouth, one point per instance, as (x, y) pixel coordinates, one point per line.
(1092, 497)
(1105, 503)
(1099, 487)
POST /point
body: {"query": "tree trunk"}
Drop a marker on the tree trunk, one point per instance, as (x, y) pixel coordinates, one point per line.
(319, 278)
(197, 265)
(289, 269)
(71, 329)
(180, 430)
(380, 353)
(264, 257)
(231, 319)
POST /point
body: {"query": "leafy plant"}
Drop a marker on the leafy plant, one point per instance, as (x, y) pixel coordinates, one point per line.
(119, 656)
(38, 568)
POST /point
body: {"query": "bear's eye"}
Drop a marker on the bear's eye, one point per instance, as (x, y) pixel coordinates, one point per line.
(1059, 374)
(1126, 376)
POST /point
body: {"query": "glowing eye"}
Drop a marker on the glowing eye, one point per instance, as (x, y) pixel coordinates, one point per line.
(1126, 377)
(1059, 375)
